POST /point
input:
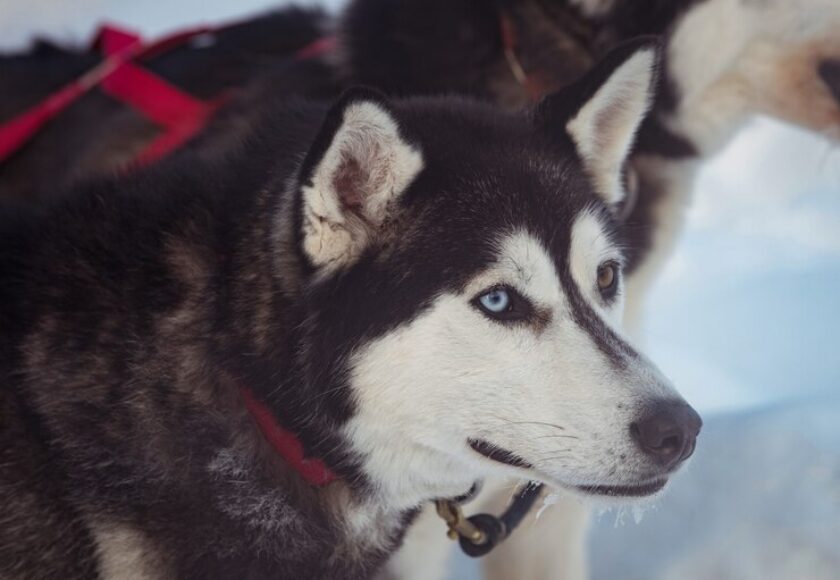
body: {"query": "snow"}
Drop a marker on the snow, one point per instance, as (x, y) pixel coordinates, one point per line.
(761, 500)
(744, 320)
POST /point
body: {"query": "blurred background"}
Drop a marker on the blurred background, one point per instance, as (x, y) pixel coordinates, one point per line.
(744, 320)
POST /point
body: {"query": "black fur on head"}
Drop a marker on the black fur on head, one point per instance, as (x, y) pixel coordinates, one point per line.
(485, 173)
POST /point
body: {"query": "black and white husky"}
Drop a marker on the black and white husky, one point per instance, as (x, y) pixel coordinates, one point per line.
(724, 62)
(262, 365)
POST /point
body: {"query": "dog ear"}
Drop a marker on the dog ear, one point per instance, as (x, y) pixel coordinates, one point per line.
(602, 111)
(351, 178)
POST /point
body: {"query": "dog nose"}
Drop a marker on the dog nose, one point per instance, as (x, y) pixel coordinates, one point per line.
(830, 73)
(667, 432)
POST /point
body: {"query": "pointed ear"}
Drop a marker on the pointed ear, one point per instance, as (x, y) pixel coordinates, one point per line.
(602, 111)
(352, 177)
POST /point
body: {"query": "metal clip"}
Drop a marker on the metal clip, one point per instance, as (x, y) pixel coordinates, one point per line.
(458, 525)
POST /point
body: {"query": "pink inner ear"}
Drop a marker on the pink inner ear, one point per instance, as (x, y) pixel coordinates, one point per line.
(605, 121)
(348, 183)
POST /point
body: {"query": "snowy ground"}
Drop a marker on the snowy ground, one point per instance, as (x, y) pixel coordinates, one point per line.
(744, 321)
(761, 501)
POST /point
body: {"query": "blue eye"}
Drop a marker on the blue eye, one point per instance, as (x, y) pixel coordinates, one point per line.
(504, 304)
(496, 301)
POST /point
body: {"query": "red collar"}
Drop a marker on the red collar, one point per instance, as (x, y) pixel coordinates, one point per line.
(312, 470)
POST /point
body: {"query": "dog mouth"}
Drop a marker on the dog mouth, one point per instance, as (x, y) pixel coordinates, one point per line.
(633, 490)
(498, 454)
(501, 455)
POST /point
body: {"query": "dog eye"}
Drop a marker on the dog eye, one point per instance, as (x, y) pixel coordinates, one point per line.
(608, 274)
(495, 301)
(502, 303)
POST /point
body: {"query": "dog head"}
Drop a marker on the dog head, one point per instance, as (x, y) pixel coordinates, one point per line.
(465, 291)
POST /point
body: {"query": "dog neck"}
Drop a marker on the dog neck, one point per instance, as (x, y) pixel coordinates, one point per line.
(286, 443)
(292, 412)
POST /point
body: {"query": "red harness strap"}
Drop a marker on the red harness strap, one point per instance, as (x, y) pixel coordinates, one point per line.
(179, 114)
(16, 133)
(312, 470)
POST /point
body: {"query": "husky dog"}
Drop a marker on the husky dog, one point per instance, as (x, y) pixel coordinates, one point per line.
(424, 293)
(724, 61)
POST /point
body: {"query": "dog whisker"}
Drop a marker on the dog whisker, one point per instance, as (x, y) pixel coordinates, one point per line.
(543, 423)
(554, 456)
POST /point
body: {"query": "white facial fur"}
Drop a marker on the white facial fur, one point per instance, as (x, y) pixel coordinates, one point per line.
(366, 167)
(605, 127)
(543, 392)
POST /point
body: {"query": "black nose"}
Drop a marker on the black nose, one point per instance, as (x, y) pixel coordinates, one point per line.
(667, 432)
(830, 73)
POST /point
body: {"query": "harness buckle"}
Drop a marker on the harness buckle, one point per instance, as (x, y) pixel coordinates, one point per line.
(479, 534)
(459, 526)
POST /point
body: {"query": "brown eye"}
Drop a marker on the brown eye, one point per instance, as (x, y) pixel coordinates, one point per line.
(607, 278)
